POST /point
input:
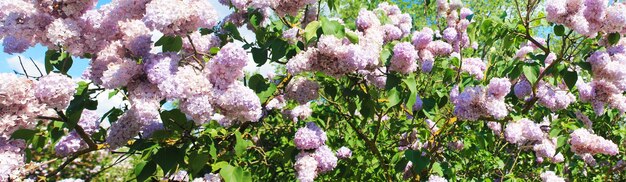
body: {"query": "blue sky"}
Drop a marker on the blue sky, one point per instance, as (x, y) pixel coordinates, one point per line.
(9, 63)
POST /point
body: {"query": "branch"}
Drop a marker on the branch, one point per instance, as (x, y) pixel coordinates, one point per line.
(81, 132)
(24, 69)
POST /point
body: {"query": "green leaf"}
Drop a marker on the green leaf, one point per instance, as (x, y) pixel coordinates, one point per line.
(24, 134)
(51, 56)
(214, 50)
(143, 170)
(242, 145)
(257, 83)
(570, 78)
(113, 93)
(614, 38)
(169, 158)
(197, 160)
(394, 98)
(419, 162)
(392, 81)
(311, 31)
(169, 43)
(353, 37)
(437, 169)
(233, 32)
(259, 55)
(333, 28)
(368, 108)
(219, 165)
(560, 141)
(235, 174)
(559, 30)
(531, 71)
(175, 120)
(279, 49)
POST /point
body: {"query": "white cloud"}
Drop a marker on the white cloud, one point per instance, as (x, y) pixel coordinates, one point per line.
(31, 69)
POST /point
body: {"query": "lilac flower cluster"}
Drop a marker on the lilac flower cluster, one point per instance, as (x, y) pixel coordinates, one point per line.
(11, 158)
(209, 177)
(526, 132)
(428, 48)
(20, 106)
(474, 67)
(409, 141)
(458, 19)
(337, 57)
(476, 101)
(400, 23)
(55, 90)
(550, 176)
(309, 164)
(584, 142)
(302, 90)
(404, 58)
(528, 47)
(300, 112)
(435, 178)
(554, 98)
(344, 153)
(174, 17)
(588, 17)
(609, 80)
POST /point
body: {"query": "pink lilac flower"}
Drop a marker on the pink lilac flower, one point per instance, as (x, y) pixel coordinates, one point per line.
(198, 107)
(124, 129)
(554, 98)
(186, 83)
(11, 158)
(65, 9)
(367, 19)
(550, 176)
(344, 153)
(72, 143)
(306, 167)
(584, 142)
(209, 177)
(475, 102)
(136, 37)
(300, 112)
(435, 178)
(19, 104)
(310, 137)
(439, 48)
(547, 149)
(291, 35)
(404, 58)
(227, 65)
(302, 90)
(202, 43)
(495, 127)
(158, 67)
(522, 88)
(291, 7)
(474, 67)
(238, 102)
(326, 159)
(174, 17)
(422, 38)
(55, 90)
(277, 102)
(523, 131)
(499, 87)
(409, 140)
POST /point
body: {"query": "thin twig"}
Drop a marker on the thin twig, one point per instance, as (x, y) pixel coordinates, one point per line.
(24, 69)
